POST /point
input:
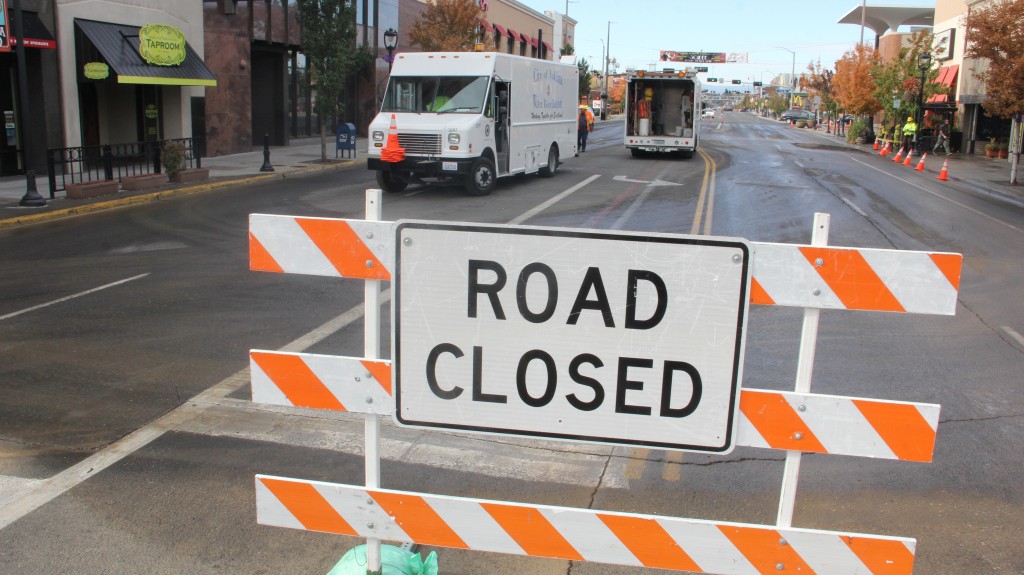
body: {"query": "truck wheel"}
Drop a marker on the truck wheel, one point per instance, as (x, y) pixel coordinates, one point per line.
(635, 152)
(687, 154)
(392, 182)
(481, 177)
(549, 170)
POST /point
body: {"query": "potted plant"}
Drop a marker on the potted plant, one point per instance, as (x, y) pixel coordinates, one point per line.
(1002, 150)
(801, 123)
(855, 133)
(811, 123)
(173, 157)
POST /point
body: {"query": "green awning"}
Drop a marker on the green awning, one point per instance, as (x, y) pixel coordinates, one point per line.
(118, 44)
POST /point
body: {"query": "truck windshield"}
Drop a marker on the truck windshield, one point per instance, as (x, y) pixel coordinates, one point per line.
(447, 94)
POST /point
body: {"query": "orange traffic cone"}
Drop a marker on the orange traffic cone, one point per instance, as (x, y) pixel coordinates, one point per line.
(920, 165)
(876, 144)
(899, 156)
(943, 173)
(392, 150)
(907, 161)
(886, 149)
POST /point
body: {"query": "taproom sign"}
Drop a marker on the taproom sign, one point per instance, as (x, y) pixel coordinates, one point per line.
(162, 45)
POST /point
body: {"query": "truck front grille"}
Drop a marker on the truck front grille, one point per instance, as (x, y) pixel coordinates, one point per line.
(420, 144)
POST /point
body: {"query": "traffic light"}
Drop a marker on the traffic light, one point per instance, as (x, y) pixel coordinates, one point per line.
(702, 69)
(756, 84)
(737, 81)
(710, 80)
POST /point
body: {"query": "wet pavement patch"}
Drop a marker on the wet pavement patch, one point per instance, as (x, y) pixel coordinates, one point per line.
(825, 147)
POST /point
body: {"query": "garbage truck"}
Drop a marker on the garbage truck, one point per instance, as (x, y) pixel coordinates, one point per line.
(473, 117)
(663, 111)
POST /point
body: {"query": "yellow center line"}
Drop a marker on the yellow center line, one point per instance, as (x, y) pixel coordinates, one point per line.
(707, 195)
(637, 461)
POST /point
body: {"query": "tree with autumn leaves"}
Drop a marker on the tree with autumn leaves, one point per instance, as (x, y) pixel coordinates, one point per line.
(448, 26)
(852, 85)
(995, 32)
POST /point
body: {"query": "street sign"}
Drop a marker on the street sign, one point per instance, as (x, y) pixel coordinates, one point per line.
(607, 337)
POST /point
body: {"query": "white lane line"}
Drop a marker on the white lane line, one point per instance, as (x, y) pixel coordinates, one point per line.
(1009, 331)
(48, 489)
(552, 201)
(73, 296)
(937, 195)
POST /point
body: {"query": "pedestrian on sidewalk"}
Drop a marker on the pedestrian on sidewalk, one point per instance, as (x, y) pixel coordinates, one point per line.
(942, 139)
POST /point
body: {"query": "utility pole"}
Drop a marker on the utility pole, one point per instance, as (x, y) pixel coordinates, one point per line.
(31, 197)
(607, 57)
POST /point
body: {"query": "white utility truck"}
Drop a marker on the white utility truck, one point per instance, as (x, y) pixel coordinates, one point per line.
(473, 116)
(662, 111)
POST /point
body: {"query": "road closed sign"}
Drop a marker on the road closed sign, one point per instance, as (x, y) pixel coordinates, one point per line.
(584, 335)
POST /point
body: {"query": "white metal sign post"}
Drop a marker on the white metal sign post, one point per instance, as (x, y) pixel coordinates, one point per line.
(570, 334)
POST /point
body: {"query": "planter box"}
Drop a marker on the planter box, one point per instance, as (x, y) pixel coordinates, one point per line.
(134, 183)
(92, 189)
(190, 175)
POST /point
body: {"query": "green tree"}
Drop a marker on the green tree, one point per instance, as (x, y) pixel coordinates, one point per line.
(586, 77)
(448, 26)
(900, 79)
(328, 42)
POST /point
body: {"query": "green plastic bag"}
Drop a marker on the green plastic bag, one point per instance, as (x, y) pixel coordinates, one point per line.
(394, 561)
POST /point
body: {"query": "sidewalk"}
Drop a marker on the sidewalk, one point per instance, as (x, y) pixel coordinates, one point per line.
(301, 156)
(986, 175)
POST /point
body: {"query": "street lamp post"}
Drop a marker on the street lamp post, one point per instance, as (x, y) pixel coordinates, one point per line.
(924, 61)
(792, 75)
(390, 43)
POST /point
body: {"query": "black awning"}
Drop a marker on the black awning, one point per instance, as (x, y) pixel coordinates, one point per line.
(119, 46)
(35, 33)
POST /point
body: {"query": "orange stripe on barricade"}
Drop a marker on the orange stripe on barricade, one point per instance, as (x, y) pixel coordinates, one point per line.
(260, 259)
(648, 541)
(902, 428)
(344, 248)
(307, 506)
(299, 384)
(852, 279)
(776, 421)
(532, 531)
(882, 557)
(765, 549)
(418, 519)
(950, 266)
(381, 372)
(758, 295)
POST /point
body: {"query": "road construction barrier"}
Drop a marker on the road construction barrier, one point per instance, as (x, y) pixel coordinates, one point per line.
(815, 277)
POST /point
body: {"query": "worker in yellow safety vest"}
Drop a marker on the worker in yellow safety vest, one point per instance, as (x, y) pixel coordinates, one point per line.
(909, 129)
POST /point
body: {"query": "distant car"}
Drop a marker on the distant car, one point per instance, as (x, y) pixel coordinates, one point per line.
(793, 115)
(727, 109)
(709, 113)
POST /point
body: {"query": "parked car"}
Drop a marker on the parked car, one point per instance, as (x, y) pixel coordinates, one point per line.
(708, 113)
(793, 115)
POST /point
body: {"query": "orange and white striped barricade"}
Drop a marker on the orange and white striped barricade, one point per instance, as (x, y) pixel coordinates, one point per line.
(782, 274)
(575, 534)
(812, 423)
(814, 277)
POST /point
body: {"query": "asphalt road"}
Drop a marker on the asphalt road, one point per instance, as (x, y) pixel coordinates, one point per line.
(128, 443)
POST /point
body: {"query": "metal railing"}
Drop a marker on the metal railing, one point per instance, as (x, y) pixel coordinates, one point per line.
(85, 164)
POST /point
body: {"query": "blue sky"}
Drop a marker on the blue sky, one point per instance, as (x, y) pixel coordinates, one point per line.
(642, 28)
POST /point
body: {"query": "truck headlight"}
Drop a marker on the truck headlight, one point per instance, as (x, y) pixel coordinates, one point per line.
(378, 136)
(454, 138)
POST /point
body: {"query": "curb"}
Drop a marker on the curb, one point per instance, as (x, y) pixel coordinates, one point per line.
(163, 195)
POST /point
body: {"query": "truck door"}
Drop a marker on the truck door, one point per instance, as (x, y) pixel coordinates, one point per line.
(502, 122)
